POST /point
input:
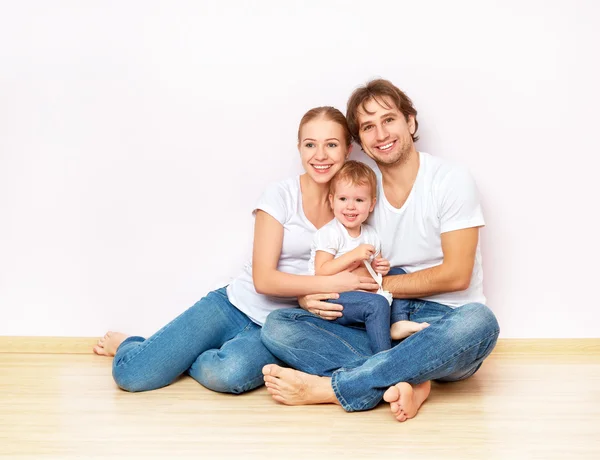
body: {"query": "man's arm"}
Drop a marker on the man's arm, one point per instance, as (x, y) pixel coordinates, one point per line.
(454, 274)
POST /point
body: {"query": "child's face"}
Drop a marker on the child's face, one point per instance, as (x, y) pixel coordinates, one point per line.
(351, 204)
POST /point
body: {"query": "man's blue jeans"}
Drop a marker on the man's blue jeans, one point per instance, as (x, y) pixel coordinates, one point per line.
(452, 348)
(212, 341)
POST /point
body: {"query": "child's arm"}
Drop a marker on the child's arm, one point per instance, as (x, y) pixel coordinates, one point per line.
(325, 264)
(268, 280)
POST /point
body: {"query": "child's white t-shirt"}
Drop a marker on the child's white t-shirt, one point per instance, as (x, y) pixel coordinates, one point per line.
(283, 201)
(444, 198)
(334, 239)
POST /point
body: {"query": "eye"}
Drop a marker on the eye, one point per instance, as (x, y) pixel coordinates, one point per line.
(332, 145)
(342, 198)
(367, 127)
(310, 145)
(389, 120)
(359, 200)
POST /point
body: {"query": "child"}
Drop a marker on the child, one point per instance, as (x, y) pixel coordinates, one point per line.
(345, 243)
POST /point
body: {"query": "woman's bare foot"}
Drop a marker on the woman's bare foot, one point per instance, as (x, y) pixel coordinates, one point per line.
(107, 345)
(405, 400)
(403, 329)
(295, 388)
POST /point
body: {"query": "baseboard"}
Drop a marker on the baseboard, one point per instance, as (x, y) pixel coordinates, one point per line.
(47, 345)
(83, 345)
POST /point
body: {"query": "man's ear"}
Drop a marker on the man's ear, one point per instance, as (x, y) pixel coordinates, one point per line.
(411, 125)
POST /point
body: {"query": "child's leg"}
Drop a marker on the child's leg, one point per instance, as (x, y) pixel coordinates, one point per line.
(369, 309)
(401, 326)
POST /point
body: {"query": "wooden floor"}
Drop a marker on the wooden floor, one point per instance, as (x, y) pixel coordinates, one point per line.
(67, 406)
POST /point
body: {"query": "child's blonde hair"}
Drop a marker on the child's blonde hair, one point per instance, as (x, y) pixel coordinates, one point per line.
(356, 173)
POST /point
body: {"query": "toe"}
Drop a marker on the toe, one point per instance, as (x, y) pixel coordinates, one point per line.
(391, 394)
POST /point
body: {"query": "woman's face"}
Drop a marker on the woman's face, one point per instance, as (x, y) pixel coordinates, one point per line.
(323, 149)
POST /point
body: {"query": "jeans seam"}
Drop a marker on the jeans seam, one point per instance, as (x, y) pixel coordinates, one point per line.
(345, 405)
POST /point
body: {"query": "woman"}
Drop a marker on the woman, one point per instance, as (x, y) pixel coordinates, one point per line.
(217, 341)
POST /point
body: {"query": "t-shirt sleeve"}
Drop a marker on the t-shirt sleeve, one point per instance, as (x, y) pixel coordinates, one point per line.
(326, 239)
(458, 200)
(275, 201)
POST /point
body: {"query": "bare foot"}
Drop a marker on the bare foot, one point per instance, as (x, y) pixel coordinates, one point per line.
(295, 388)
(107, 345)
(403, 329)
(405, 400)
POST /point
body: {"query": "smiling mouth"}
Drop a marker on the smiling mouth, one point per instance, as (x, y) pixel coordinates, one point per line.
(322, 168)
(386, 147)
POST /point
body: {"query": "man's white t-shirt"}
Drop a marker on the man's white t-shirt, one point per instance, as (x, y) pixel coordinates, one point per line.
(444, 198)
(334, 239)
(283, 201)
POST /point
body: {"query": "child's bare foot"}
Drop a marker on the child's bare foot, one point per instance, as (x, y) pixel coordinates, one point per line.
(107, 345)
(402, 329)
(295, 388)
(405, 400)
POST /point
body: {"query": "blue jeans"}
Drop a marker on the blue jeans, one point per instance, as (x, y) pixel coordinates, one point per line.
(212, 341)
(372, 310)
(400, 307)
(452, 348)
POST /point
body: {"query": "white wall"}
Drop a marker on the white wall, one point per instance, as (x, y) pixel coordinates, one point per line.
(136, 136)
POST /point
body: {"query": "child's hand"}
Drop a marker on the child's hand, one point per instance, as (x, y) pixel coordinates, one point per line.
(381, 265)
(364, 252)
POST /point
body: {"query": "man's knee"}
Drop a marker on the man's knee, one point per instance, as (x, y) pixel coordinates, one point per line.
(479, 317)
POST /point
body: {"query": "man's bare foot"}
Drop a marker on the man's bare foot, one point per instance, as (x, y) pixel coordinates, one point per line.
(295, 388)
(402, 329)
(107, 345)
(405, 400)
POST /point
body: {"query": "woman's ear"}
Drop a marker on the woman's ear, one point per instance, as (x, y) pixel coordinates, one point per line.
(350, 147)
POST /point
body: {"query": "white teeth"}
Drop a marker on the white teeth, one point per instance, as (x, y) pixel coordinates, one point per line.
(386, 146)
(322, 167)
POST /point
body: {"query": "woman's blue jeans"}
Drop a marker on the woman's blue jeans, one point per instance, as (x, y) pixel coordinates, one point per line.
(212, 341)
(452, 348)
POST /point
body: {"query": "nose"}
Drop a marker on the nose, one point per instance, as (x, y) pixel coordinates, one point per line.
(320, 154)
(382, 133)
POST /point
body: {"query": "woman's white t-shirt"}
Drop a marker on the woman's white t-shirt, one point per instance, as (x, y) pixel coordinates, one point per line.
(283, 201)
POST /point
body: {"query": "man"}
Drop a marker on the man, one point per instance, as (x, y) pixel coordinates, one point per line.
(428, 216)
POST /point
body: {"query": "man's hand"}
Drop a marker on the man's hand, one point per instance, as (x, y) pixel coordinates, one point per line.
(315, 303)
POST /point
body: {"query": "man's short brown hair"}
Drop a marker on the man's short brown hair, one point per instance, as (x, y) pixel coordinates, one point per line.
(380, 91)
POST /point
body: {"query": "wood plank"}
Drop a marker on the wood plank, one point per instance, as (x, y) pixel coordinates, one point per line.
(83, 345)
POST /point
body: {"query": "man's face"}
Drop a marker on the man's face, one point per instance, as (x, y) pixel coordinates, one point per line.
(385, 135)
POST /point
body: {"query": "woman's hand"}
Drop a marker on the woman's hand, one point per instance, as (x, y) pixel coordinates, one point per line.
(315, 303)
(381, 265)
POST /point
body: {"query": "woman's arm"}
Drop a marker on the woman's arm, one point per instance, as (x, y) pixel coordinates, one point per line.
(268, 240)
